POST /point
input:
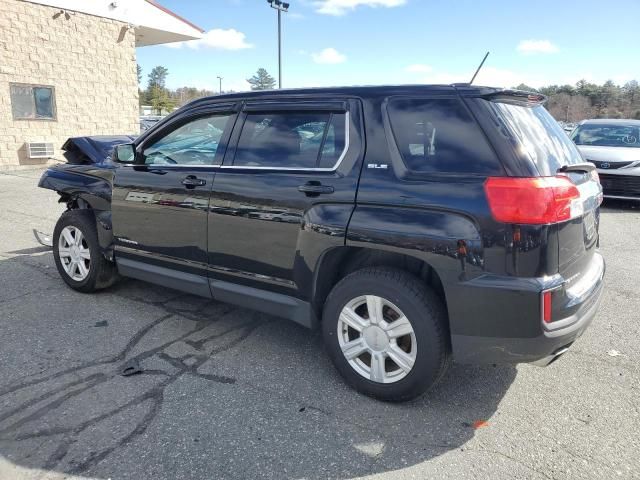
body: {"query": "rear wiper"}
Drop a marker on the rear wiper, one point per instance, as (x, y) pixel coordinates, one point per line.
(577, 167)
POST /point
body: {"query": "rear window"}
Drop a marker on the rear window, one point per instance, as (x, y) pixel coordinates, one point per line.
(535, 133)
(440, 136)
(607, 135)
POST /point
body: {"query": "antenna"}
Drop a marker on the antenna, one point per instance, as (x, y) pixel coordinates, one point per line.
(479, 67)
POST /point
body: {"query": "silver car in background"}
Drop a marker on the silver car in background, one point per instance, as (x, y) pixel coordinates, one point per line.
(614, 147)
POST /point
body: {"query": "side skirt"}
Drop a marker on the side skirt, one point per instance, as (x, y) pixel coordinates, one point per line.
(166, 277)
(264, 301)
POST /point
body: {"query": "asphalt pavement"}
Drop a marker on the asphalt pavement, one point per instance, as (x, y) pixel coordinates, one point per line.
(227, 392)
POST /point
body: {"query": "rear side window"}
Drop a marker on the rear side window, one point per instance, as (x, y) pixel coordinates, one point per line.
(440, 136)
(535, 133)
(291, 140)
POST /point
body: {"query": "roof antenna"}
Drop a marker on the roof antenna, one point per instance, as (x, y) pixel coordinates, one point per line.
(479, 67)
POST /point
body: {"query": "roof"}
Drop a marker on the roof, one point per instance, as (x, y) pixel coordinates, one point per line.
(154, 24)
(173, 14)
(359, 91)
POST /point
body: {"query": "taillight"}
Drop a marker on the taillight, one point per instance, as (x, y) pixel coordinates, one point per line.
(546, 306)
(535, 200)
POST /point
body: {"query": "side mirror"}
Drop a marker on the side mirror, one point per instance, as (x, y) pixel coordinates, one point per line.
(124, 153)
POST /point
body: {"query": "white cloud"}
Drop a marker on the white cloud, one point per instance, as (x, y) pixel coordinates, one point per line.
(329, 56)
(217, 38)
(419, 68)
(341, 7)
(529, 47)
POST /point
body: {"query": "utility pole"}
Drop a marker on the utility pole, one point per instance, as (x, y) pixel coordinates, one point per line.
(220, 79)
(280, 7)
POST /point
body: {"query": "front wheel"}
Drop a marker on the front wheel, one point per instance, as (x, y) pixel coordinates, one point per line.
(77, 253)
(385, 332)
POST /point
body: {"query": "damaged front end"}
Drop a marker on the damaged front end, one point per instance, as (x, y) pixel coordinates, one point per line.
(85, 181)
(96, 150)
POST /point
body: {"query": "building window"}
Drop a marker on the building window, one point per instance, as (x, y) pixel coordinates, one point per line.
(32, 102)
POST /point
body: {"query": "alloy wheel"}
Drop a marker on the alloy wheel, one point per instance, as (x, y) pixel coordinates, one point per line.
(377, 339)
(74, 253)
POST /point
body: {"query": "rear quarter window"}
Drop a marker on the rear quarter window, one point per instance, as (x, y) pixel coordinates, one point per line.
(537, 135)
(440, 136)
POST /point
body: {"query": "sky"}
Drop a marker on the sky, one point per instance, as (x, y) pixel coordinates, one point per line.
(374, 42)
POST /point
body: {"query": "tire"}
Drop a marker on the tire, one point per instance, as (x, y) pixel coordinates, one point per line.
(402, 295)
(99, 272)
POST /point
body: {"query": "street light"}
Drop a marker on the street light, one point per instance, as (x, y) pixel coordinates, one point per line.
(280, 7)
(220, 78)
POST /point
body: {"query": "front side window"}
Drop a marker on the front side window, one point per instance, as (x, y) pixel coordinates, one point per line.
(32, 102)
(440, 136)
(194, 143)
(291, 140)
(607, 135)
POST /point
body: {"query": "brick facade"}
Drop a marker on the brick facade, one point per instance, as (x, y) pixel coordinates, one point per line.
(91, 63)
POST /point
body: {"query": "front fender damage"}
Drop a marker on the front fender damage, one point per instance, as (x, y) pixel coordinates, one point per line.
(84, 187)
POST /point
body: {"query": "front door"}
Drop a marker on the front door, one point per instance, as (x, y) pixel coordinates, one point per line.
(160, 203)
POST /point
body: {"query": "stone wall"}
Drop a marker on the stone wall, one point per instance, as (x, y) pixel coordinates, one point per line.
(91, 63)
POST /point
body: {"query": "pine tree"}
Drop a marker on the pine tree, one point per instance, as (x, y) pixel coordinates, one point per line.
(262, 80)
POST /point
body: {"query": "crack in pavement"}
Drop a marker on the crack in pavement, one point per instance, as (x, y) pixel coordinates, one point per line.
(509, 457)
(20, 423)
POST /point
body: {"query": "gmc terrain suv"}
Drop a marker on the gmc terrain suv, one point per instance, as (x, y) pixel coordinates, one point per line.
(411, 224)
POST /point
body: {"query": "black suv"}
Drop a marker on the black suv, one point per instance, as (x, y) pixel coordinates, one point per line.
(411, 224)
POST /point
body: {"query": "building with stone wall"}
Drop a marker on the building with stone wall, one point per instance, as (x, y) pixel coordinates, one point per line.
(68, 68)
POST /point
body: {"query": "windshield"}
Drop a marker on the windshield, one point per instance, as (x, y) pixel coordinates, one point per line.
(607, 135)
(536, 134)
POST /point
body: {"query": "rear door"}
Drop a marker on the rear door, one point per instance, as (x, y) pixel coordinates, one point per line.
(543, 143)
(286, 189)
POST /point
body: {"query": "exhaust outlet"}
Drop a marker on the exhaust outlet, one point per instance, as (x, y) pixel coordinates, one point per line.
(546, 361)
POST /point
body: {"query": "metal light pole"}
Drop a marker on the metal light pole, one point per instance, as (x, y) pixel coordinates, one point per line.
(280, 7)
(220, 78)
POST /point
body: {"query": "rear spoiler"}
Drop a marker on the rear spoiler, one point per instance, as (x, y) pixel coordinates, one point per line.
(587, 167)
(502, 95)
(517, 97)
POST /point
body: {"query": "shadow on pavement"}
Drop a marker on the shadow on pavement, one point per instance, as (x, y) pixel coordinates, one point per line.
(30, 251)
(223, 392)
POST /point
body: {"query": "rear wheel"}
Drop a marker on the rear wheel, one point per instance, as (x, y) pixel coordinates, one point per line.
(77, 253)
(386, 333)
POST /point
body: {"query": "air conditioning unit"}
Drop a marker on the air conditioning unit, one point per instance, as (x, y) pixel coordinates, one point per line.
(40, 150)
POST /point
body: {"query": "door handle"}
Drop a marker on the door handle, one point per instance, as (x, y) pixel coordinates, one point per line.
(191, 181)
(313, 189)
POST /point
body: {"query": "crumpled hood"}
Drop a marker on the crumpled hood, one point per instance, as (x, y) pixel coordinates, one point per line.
(94, 149)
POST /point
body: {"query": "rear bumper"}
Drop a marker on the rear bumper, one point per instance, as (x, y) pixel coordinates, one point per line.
(540, 349)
